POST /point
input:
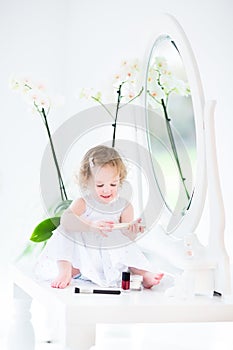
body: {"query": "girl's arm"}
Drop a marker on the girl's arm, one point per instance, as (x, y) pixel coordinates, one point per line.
(72, 220)
(127, 214)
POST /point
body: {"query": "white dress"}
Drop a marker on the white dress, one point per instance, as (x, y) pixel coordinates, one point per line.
(99, 259)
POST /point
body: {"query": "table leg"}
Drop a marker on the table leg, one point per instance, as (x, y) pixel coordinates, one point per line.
(79, 336)
(21, 334)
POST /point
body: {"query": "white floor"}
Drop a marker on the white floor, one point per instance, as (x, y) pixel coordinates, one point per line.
(175, 336)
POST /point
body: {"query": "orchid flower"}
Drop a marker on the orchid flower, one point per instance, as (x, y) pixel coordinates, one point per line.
(161, 83)
(124, 90)
(38, 100)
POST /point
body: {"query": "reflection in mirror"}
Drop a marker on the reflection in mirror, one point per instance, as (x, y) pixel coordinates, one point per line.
(171, 128)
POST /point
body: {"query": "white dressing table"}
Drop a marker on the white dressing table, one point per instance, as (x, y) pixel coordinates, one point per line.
(78, 314)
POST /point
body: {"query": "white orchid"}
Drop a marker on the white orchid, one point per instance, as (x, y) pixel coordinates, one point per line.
(162, 82)
(127, 79)
(125, 90)
(33, 93)
(153, 85)
(38, 100)
(160, 64)
(168, 82)
(90, 93)
(182, 88)
(127, 72)
(153, 75)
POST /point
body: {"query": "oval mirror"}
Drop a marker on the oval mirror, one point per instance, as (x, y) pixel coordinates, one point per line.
(174, 105)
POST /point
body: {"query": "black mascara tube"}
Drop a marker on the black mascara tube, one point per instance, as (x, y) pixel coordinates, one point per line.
(96, 291)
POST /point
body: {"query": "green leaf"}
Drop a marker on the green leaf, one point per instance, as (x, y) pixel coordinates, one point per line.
(43, 231)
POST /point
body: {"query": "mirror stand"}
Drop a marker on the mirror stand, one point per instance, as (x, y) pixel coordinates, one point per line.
(216, 246)
(204, 269)
(198, 269)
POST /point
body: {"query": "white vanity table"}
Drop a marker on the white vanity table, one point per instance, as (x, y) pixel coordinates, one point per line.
(79, 313)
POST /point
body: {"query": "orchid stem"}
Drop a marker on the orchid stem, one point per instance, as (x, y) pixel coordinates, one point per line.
(60, 180)
(173, 145)
(116, 115)
(139, 94)
(106, 109)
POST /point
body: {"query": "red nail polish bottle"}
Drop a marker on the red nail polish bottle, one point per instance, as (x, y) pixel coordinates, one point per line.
(125, 283)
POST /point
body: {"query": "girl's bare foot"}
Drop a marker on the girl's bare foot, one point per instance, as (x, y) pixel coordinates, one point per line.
(62, 280)
(64, 276)
(151, 279)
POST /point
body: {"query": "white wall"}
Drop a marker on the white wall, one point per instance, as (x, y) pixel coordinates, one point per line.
(79, 43)
(32, 42)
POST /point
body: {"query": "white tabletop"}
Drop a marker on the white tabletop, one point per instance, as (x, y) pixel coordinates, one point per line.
(146, 306)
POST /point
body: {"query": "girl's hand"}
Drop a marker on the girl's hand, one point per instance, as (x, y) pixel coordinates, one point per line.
(134, 228)
(102, 227)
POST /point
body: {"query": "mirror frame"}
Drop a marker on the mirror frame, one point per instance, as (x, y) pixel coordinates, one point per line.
(168, 25)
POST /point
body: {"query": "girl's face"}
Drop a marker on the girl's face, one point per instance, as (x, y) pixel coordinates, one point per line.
(106, 183)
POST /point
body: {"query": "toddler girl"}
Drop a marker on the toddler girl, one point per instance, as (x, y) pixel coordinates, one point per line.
(96, 233)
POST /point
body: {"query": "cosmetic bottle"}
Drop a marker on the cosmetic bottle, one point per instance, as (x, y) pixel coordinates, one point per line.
(136, 282)
(125, 282)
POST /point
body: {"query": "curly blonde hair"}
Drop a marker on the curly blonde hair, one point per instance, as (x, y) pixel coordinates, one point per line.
(100, 156)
